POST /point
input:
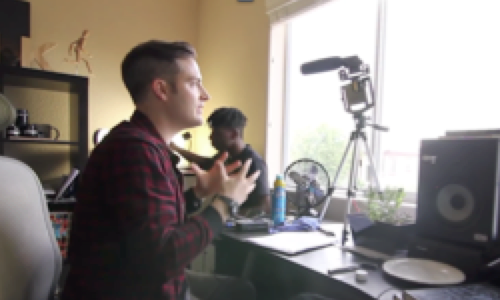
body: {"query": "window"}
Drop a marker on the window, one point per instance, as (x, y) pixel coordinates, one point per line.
(316, 124)
(440, 73)
(433, 65)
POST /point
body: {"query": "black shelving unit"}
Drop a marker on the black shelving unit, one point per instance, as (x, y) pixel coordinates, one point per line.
(37, 80)
(58, 142)
(62, 205)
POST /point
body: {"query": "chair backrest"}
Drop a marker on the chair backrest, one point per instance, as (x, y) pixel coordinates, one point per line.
(30, 259)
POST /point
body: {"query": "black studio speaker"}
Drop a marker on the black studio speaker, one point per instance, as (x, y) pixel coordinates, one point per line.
(458, 191)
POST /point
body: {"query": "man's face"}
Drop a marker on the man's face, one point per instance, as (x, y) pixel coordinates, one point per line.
(185, 103)
(221, 138)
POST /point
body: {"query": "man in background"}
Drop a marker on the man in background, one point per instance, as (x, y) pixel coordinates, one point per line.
(228, 124)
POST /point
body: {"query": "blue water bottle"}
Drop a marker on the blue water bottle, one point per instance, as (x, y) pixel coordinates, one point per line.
(279, 201)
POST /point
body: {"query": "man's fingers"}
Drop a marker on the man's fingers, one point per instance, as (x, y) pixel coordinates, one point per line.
(254, 176)
(244, 171)
(197, 170)
(222, 169)
(235, 165)
(250, 188)
(223, 157)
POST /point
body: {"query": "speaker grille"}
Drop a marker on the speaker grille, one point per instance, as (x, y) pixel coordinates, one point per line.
(457, 190)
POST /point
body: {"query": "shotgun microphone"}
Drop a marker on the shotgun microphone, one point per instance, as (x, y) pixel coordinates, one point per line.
(353, 63)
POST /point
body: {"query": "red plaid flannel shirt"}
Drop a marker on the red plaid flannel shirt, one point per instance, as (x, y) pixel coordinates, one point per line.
(129, 237)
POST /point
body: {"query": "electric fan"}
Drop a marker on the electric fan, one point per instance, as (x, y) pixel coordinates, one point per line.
(310, 182)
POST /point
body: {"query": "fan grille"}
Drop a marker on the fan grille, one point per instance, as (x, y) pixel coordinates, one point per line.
(308, 181)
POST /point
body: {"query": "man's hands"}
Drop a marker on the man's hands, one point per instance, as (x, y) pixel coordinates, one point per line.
(208, 183)
(218, 181)
(238, 186)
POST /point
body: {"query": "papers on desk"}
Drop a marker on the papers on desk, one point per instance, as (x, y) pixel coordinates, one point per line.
(289, 243)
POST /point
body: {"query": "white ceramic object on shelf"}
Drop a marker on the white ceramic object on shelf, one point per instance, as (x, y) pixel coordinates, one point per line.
(7, 112)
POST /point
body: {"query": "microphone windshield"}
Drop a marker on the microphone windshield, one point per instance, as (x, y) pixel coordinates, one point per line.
(353, 63)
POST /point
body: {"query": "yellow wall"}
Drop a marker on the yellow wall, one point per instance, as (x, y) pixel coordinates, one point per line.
(233, 47)
(115, 27)
(231, 39)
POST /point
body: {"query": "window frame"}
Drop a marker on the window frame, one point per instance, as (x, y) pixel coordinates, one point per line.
(378, 82)
(282, 84)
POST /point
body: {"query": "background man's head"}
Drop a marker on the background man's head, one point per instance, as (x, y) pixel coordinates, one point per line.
(164, 78)
(227, 125)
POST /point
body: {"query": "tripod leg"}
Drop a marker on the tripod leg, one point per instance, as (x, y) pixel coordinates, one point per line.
(351, 187)
(342, 161)
(334, 183)
(372, 166)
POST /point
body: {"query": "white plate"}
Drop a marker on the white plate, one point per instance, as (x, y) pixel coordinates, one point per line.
(423, 271)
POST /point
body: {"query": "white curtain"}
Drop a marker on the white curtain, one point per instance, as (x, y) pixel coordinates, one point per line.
(281, 10)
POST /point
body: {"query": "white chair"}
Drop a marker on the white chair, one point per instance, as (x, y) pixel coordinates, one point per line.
(30, 259)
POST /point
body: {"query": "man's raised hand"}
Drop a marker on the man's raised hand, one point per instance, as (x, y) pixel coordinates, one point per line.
(210, 182)
(237, 186)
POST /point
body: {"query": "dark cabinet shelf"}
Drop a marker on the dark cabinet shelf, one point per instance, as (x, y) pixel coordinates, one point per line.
(41, 80)
(56, 99)
(61, 205)
(46, 80)
(39, 141)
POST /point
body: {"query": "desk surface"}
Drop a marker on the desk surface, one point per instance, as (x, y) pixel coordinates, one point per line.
(322, 260)
(331, 257)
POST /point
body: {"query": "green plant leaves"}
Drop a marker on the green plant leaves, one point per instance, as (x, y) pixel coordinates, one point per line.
(384, 206)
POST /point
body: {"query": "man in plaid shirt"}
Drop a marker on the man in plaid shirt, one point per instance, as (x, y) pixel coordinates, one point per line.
(130, 237)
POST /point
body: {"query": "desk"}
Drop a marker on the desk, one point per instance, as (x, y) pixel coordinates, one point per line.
(278, 276)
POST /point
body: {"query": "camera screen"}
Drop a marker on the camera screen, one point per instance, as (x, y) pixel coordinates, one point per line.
(354, 95)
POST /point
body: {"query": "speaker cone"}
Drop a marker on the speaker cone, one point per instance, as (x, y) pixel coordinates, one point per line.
(455, 203)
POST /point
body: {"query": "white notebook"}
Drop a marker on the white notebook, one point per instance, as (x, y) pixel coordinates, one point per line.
(289, 243)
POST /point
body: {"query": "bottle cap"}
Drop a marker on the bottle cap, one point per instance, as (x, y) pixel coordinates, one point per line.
(361, 275)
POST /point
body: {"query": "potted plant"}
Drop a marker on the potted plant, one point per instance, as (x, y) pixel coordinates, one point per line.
(384, 222)
(384, 207)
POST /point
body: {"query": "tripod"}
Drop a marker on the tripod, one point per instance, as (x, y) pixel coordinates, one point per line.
(354, 140)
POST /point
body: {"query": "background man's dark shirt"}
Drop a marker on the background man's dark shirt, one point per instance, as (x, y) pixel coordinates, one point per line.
(261, 185)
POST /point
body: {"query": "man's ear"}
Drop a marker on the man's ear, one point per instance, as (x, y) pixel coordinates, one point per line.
(234, 133)
(161, 89)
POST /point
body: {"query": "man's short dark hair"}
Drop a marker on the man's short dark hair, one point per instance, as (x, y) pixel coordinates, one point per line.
(228, 117)
(151, 60)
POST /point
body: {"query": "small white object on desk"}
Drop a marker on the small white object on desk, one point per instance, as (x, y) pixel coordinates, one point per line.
(361, 276)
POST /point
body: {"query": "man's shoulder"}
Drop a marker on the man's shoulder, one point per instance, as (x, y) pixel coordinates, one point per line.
(124, 140)
(127, 131)
(258, 163)
(126, 136)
